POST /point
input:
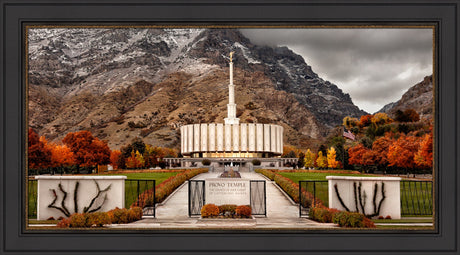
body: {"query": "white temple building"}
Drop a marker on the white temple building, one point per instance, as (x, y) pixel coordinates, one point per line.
(231, 142)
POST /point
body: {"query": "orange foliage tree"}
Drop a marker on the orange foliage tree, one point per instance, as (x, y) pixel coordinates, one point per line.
(115, 156)
(380, 148)
(88, 151)
(355, 154)
(39, 156)
(61, 156)
(401, 153)
(365, 120)
(424, 156)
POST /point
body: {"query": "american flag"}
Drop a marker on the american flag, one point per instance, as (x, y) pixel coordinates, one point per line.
(349, 135)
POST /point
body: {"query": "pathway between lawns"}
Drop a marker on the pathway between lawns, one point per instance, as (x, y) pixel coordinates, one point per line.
(281, 212)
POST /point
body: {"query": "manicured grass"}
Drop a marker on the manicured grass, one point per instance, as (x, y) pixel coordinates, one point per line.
(427, 220)
(296, 177)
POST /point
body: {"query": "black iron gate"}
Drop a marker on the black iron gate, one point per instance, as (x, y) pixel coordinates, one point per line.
(309, 191)
(258, 197)
(196, 198)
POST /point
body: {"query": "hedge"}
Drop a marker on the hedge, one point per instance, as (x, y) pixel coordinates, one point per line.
(291, 188)
(165, 188)
(342, 218)
(99, 219)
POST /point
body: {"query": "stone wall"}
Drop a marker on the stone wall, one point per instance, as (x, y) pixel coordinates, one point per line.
(357, 193)
(86, 191)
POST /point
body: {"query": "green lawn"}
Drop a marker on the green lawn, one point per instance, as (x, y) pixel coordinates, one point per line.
(296, 177)
(131, 187)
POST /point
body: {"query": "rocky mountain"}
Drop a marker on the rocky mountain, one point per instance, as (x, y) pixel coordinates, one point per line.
(418, 97)
(127, 82)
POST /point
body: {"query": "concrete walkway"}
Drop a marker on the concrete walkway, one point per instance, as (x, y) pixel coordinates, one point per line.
(281, 212)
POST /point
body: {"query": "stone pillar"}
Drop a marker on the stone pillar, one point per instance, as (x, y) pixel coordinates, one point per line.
(259, 137)
(220, 137)
(204, 137)
(196, 137)
(244, 137)
(266, 137)
(252, 137)
(212, 137)
(236, 137)
(228, 137)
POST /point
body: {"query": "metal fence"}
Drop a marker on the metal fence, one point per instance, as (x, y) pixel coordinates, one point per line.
(416, 196)
(133, 189)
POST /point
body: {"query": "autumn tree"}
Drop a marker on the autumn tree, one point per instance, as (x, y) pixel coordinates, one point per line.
(350, 122)
(39, 157)
(321, 161)
(402, 152)
(380, 119)
(309, 159)
(424, 156)
(380, 147)
(365, 121)
(88, 151)
(355, 154)
(136, 160)
(115, 156)
(331, 161)
(409, 115)
(61, 156)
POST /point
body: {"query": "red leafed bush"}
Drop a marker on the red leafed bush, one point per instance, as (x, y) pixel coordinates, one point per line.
(209, 210)
(134, 214)
(99, 219)
(80, 220)
(244, 211)
(324, 215)
(368, 223)
(64, 223)
(388, 217)
(118, 216)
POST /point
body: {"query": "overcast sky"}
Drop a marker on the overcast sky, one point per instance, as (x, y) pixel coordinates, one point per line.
(374, 66)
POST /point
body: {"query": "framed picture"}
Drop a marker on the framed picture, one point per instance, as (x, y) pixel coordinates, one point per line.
(311, 123)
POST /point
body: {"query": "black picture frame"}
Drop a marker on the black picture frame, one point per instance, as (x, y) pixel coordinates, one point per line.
(14, 239)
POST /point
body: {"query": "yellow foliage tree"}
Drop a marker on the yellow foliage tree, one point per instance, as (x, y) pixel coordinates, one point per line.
(350, 122)
(309, 159)
(331, 162)
(380, 119)
(321, 161)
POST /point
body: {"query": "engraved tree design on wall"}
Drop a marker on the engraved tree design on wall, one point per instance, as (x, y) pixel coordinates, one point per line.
(86, 209)
(360, 198)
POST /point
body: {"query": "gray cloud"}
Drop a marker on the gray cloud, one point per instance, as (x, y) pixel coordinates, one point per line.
(375, 66)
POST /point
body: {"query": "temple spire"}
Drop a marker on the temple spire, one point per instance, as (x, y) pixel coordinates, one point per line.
(231, 106)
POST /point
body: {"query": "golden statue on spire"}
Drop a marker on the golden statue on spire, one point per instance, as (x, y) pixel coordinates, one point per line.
(231, 55)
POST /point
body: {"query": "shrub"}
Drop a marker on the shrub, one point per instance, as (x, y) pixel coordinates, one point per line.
(368, 223)
(381, 217)
(206, 162)
(80, 220)
(349, 219)
(134, 214)
(244, 211)
(99, 219)
(227, 210)
(64, 223)
(324, 215)
(118, 216)
(388, 217)
(50, 218)
(209, 210)
(256, 162)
